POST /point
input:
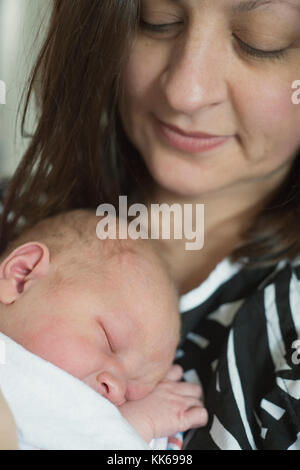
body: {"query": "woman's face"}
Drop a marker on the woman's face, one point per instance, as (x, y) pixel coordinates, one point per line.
(206, 71)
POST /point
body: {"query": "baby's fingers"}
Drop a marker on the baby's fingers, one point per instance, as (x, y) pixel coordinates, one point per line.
(187, 389)
(174, 373)
(195, 417)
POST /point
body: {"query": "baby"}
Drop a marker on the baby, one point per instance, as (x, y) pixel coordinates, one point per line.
(104, 311)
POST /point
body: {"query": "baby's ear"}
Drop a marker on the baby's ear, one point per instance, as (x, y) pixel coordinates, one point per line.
(21, 268)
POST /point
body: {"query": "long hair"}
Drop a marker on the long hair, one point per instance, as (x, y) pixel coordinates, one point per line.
(79, 155)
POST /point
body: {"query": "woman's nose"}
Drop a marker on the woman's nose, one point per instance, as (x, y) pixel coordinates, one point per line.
(196, 76)
(112, 387)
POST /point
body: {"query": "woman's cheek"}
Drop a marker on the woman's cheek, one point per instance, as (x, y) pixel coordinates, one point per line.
(270, 120)
(135, 74)
(145, 64)
(282, 121)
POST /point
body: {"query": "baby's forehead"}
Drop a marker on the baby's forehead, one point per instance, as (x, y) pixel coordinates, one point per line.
(133, 265)
(134, 254)
(72, 239)
(112, 259)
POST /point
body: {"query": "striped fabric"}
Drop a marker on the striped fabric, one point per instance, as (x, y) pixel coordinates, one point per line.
(241, 341)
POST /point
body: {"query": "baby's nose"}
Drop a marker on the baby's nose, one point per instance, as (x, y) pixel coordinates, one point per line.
(112, 387)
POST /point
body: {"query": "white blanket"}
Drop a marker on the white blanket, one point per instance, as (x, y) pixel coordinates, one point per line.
(54, 410)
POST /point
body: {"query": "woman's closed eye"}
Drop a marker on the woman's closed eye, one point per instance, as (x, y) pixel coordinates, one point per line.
(159, 28)
(261, 53)
(258, 53)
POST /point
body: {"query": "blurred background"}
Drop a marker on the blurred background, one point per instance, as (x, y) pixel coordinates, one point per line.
(22, 27)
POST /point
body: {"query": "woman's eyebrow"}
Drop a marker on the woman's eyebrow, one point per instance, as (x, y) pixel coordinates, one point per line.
(250, 5)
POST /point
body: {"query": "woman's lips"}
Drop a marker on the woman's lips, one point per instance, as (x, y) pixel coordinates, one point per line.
(190, 143)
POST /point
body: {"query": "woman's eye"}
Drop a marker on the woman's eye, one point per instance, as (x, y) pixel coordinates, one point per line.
(158, 28)
(260, 53)
(251, 51)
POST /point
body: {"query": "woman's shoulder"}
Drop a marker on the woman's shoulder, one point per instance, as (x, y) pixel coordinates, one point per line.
(283, 286)
(233, 282)
(231, 296)
(276, 301)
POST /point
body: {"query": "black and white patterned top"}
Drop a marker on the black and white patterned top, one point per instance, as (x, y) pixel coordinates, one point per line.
(241, 342)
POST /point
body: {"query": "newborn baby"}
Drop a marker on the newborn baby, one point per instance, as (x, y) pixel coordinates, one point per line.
(105, 311)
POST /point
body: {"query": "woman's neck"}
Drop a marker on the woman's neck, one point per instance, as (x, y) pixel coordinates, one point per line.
(227, 215)
(189, 268)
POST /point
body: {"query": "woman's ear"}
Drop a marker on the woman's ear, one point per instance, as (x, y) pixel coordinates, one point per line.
(24, 265)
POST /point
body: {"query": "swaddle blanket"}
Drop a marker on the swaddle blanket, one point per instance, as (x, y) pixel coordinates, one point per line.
(54, 410)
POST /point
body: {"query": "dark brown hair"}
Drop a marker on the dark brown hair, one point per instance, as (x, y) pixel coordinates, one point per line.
(79, 155)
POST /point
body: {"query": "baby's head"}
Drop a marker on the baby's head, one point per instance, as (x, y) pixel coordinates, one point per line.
(105, 311)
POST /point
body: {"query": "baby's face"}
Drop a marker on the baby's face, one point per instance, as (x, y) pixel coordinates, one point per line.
(115, 327)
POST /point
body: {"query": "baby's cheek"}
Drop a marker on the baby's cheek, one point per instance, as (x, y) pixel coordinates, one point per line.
(137, 391)
(69, 352)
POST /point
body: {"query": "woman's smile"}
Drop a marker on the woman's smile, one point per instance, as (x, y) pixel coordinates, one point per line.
(189, 144)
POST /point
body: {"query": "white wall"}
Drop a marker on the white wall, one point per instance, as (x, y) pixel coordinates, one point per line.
(19, 23)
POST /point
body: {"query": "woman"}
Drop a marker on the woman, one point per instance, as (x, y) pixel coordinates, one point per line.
(188, 102)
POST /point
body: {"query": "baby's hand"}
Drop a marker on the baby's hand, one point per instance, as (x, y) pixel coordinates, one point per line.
(171, 407)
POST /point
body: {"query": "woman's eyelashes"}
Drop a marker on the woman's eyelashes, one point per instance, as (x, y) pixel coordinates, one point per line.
(260, 53)
(159, 28)
(257, 53)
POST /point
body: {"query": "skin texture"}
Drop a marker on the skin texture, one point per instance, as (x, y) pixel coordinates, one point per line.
(97, 332)
(198, 78)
